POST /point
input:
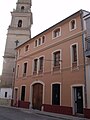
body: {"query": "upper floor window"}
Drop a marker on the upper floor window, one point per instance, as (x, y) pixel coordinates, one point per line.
(17, 71)
(74, 55)
(43, 39)
(26, 47)
(35, 66)
(24, 69)
(41, 62)
(56, 60)
(36, 43)
(20, 23)
(57, 32)
(38, 65)
(72, 24)
(39, 41)
(22, 8)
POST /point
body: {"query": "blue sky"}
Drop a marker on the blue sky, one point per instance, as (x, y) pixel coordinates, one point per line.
(45, 14)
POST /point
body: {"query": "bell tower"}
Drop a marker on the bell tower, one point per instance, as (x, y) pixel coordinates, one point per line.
(19, 31)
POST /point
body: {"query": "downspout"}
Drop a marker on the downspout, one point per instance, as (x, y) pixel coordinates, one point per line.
(83, 45)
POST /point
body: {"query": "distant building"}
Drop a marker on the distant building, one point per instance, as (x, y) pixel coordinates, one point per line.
(6, 93)
(51, 69)
(19, 32)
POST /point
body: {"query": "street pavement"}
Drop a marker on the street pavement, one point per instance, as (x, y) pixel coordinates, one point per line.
(11, 113)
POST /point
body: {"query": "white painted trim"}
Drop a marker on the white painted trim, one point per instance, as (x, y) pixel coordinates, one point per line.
(43, 62)
(70, 25)
(38, 63)
(25, 48)
(16, 88)
(71, 54)
(35, 42)
(60, 91)
(45, 39)
(38, 41)
(72, 95)
(31, 91)
(21, 90)
(23, 68)
(54, 31)
(52, 62)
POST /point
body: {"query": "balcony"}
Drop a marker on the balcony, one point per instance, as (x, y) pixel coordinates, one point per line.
(87, 52)
(56, 68)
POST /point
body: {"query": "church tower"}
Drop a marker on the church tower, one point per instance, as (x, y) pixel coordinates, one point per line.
(19, 32)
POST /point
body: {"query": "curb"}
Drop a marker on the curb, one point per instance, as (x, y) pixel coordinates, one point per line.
(49, 114)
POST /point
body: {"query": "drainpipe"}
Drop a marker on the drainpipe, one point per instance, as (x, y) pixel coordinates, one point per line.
(83, 45)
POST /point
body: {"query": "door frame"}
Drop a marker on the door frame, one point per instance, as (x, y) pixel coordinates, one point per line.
(60, 90)
(21, 91)
(31, 91)
(72, 96)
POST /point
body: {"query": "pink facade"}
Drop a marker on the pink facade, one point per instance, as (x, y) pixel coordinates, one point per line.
(50, 69)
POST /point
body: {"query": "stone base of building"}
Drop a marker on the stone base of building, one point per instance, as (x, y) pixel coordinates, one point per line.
(20, 104)
(86, 113)
(23, 104)
(58, 109)
(51, 108)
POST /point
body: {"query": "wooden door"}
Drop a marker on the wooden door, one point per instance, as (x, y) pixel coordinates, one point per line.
(37, 96)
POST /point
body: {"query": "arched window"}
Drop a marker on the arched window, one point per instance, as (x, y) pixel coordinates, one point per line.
(22, 8)
(20, 23)
(57, 32)
(72, 24)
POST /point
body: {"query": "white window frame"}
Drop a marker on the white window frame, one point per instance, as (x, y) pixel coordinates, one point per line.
(23, 69)
(39, 62)
(25, 48)
(44, 39)
(53, 32)
(35, 43)
(70, 29)
(71, 55)
(21, 91)
(40, 40)
(52, 63)
(34, 65)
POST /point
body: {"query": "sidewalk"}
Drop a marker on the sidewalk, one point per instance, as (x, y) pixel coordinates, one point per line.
(55, 115)
(49, 114)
